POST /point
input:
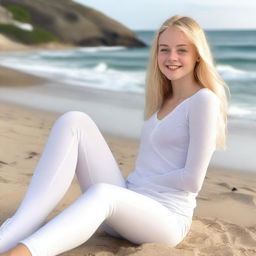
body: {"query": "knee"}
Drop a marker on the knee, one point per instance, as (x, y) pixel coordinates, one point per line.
(73, 116)
(74, 119)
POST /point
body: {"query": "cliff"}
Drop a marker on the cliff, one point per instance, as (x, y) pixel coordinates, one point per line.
(67, 22)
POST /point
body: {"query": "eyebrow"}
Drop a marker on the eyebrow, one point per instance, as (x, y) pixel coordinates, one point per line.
(176, 45)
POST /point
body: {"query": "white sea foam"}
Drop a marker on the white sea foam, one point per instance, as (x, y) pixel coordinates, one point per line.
(101, 48)
(101, 67)
(99, 76)
(56, 53)
(239, 111)
(231, 73)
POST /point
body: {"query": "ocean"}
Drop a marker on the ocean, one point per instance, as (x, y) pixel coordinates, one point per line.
(119, 69)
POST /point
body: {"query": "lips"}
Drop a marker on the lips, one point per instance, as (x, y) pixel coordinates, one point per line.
(173, 67)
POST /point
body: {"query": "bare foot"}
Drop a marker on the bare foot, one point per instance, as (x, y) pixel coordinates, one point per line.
(19, 250)
(4, 254)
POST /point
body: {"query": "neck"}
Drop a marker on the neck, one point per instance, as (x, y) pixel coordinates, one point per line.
(184, 89)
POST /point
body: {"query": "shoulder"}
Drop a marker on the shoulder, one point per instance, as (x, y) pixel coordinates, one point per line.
(205, 97)
(204, 103)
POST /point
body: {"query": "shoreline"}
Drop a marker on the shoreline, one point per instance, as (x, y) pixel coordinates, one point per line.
(114, 112)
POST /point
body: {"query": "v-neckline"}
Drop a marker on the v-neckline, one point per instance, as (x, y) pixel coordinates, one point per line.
(176, 107)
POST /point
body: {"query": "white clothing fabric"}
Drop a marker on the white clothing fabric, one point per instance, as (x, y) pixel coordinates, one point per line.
(175, 152)
(76, 146)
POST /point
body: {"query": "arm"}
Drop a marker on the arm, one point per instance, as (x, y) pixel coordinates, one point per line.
(203, 113)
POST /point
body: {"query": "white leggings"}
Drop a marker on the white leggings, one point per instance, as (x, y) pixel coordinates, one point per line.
(76, 146)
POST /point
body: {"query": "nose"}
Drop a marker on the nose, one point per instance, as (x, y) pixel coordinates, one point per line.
(172, 55)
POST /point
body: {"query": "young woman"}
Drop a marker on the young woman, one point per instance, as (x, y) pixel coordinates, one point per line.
(185, 122)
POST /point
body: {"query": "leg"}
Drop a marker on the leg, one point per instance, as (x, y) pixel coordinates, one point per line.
(74, 144)
(136, 217)
(20, 250)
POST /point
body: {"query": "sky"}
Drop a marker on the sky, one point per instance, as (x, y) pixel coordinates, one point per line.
(150, 14)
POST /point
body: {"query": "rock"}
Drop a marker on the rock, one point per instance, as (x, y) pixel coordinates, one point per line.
(76, 24)
(5, 15)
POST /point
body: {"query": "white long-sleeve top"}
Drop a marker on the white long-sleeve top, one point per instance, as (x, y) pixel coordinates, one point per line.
(175, 152)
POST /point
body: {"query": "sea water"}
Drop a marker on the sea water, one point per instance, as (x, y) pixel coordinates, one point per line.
(120, 69)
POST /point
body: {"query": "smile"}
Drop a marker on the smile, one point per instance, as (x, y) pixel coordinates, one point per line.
(173, 67)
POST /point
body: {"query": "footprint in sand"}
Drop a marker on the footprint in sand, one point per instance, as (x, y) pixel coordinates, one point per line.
(224, 184)
(240, 235)
(203, 198)
(249, 189)
(217, 237)
(31, 155)
(2, 163)
(243, 198)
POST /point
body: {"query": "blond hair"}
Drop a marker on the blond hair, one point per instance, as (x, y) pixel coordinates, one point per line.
(158, 87)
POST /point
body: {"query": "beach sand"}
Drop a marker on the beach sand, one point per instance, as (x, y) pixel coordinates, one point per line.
(224, 222)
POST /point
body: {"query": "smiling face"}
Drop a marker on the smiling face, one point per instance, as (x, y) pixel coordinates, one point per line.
(176, 55)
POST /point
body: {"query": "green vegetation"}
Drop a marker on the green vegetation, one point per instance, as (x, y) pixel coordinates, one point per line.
(36, 36)
(19, 13)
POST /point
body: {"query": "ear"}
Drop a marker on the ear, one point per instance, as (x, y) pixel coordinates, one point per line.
(198, 59)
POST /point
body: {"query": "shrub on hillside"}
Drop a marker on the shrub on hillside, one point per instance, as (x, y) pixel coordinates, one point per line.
(19, 13)
(36, 36)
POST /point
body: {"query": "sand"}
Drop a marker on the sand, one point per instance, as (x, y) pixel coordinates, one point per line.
(224, 221)
(8, 45)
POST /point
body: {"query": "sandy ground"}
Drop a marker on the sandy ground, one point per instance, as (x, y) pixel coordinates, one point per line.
(224, 222)
(8, 45)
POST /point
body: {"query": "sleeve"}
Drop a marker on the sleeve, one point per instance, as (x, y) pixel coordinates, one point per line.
(203, 116)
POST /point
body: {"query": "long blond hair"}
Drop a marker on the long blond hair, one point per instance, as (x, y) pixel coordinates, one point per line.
(158, 87)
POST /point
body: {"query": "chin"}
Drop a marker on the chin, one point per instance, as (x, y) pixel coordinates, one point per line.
(173, 78)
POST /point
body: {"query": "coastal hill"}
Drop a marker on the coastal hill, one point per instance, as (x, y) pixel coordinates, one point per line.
(64, 21)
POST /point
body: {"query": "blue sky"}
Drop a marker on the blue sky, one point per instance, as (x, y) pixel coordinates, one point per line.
(149, 14)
